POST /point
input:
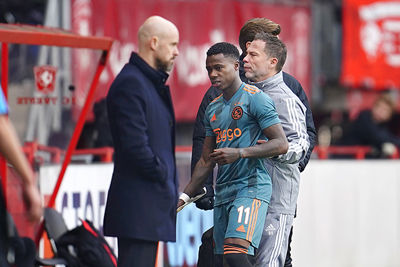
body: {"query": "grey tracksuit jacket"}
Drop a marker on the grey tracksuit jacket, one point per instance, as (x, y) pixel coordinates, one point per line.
(284, 169)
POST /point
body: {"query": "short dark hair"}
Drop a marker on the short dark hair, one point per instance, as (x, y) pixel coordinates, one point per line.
(273, 48)
(227, 49)
(254, 26)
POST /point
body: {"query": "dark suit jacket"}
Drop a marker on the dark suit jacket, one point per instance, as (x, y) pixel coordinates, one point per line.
(143, 193)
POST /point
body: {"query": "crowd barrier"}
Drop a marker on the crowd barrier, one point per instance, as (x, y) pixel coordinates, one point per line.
(39, 154)
(355, 152)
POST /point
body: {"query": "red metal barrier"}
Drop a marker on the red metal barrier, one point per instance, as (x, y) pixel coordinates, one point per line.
(183, 149)
(396, 154)
(358, 152)
(56, 154)
(106, 153)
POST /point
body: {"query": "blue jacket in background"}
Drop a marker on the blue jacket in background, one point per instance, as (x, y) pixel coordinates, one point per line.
(143, 194)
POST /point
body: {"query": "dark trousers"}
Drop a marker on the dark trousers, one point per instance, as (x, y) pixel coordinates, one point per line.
(135, 252)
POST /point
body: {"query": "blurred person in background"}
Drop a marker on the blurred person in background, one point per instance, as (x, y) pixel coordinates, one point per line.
(370, 128)
(11, 150)
(247, 34)
(142, 198)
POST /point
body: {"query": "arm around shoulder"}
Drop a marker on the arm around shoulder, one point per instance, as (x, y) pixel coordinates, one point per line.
(298, 90)
(275, 146)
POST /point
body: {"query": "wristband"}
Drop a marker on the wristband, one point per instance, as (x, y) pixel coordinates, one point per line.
(184, 197)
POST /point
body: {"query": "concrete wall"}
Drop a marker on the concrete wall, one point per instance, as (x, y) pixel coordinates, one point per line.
(348, 215)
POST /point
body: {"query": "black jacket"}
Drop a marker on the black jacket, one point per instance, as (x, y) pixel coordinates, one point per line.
(143, 193)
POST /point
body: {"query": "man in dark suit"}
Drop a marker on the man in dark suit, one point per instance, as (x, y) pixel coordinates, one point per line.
(142, 199)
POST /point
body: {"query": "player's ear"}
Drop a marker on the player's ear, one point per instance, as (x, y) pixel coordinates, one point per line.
(236, 65)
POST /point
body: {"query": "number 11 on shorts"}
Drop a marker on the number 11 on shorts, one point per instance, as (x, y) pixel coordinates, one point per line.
(240, 210)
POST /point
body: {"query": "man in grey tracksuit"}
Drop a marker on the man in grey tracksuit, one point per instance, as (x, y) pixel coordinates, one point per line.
(263, 63)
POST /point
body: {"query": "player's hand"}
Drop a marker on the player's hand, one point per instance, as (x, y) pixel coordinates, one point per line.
(261, 141)
(207, 201)
(225, 155)
(180, 203)
(32, 201)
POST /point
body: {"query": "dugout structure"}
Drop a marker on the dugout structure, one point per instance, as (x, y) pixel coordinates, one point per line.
(46, 36)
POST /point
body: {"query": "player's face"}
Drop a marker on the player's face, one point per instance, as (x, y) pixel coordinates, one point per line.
(167, 51)
(257, 64)
(222, 70)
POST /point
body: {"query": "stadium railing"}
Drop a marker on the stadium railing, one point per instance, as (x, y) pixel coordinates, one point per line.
(38, 154)
(356, 152)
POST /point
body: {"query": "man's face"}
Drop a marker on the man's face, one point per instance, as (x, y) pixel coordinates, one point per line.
(167, 51)
(222, 70)
(381, 112)
(257, 64)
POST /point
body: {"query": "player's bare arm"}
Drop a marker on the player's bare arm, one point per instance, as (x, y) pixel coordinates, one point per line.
(276, 145)
(10, 147)
(201, 171)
